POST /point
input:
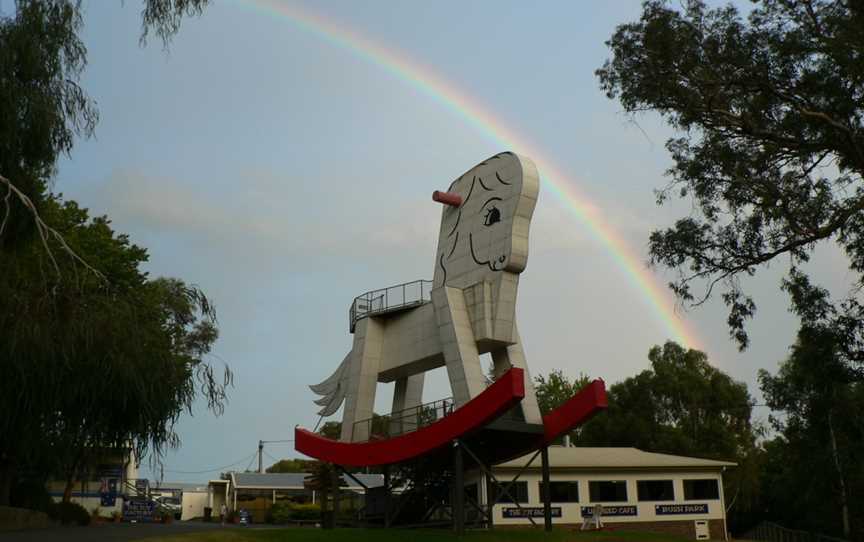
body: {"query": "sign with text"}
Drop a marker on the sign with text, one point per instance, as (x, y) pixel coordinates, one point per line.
(530, 512)
(669, 509)
(625, 510)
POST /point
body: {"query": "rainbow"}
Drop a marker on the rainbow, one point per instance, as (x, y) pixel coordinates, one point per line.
(426, 82)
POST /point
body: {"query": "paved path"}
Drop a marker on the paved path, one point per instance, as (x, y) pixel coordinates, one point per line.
(115, 532)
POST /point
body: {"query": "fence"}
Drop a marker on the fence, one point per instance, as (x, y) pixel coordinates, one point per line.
(405, 421)
(389, 299)
(772, 532)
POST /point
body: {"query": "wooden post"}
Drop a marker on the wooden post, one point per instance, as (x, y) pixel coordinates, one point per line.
(458, 490)
(387, 495)
(335, 480)
(547, 490)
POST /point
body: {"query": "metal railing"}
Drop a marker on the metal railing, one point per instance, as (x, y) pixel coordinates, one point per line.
(405, 421)
(394, 298)
(772, 532)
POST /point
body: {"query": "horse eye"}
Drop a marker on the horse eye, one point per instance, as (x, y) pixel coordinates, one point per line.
(493, 215)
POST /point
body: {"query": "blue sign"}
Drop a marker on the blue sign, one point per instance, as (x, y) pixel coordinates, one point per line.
(108, 492)
(625, 510)
(532, 512)
(669, 509)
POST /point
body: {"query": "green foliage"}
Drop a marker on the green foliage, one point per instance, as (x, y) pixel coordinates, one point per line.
(682, 405)
(69, 513)
(292, 465)
(305, 511)
(280, 513)
(90, 361)
(380, 426)
(42, 108)
(331, 430)
(164, 16)
(771, 117)
(556, 389)
(821, 405)
(92, 365)
(31, 494)
(286, 511)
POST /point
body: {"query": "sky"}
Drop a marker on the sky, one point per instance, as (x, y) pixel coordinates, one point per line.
(285, 172)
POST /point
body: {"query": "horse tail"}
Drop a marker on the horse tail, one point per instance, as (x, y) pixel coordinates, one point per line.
(333, 389)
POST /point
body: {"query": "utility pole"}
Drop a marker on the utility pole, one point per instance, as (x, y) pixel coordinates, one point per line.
(261, 444)
(260, 457)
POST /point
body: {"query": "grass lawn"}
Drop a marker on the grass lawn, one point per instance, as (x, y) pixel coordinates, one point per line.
(396, 535)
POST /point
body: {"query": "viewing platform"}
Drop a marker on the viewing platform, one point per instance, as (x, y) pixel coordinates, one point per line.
(407, 420)
(386, 300)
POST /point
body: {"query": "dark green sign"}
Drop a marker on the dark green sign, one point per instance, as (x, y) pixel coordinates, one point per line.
(670, 509)
(608, 510)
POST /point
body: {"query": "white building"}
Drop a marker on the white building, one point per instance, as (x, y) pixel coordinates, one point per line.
(638, 490)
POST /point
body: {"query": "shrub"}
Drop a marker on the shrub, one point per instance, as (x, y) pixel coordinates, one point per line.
(284, 511)
(306, 511)
(31, 494)
(68, 513)
(280, 512)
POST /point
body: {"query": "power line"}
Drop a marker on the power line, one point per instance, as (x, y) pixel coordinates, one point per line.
(251, 461)
(211, 470)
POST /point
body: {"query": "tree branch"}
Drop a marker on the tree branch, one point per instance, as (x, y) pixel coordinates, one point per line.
(45, 231)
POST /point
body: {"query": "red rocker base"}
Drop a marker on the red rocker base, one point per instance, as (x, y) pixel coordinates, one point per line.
(496, 400)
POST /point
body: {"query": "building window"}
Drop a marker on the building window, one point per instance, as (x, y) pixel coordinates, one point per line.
(562, 491)
(519, 491)
(695, 490)
(611, 491)
(655, 490)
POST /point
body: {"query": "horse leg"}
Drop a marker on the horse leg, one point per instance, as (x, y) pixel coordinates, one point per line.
(362, 379)
(458, 344)
(514, 356)
(407, 395)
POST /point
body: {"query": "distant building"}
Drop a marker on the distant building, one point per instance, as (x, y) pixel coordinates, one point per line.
(104, 487)
(638, 490)
(191, 498)
(256, 492)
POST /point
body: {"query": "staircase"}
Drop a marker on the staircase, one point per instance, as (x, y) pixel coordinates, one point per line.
(138, 504)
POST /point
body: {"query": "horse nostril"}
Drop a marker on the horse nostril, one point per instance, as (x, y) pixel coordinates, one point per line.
(501, 259)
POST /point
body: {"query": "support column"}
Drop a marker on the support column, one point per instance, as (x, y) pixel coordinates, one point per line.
(387, 495)
(547, 489)
(458, 504)
(334, 482)
(490, 507)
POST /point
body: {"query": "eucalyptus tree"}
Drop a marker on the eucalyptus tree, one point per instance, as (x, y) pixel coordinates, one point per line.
(815, 471)
(769, 110)
(93, 354)
(96, 363)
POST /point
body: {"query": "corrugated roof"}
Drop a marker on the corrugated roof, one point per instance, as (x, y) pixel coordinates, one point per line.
(184, 486)
(578, 457)
(294, 480)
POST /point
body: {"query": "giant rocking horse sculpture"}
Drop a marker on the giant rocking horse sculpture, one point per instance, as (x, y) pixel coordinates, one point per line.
(482, 249)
